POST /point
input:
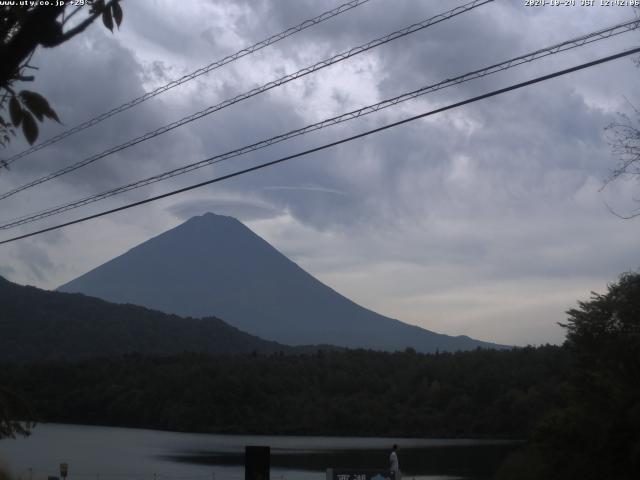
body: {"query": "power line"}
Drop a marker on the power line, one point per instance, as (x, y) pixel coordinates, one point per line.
(190, 76)
(333, 144)
(526, 58)
(255, 91)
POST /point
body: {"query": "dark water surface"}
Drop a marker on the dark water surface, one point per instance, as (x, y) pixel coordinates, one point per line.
(106, 453)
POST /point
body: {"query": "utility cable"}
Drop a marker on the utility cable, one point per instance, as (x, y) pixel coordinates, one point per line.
(190, 76)
(333, 144)
(255, 91)
(526, 58)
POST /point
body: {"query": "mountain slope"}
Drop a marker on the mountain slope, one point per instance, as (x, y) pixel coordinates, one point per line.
(41, 325)
(214, 265)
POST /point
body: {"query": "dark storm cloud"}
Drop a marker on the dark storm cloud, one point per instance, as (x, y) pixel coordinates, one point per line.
(91, 76)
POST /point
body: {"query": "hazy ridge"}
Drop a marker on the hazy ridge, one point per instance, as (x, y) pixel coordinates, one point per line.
(41, 325)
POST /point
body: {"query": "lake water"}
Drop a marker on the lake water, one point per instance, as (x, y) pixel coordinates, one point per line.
(106, 453)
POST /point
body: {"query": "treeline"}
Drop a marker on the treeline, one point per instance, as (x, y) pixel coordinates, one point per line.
(482, 393)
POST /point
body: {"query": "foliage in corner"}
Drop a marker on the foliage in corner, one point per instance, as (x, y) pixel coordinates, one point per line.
(597, 433)
(23, 28)
(624, 139)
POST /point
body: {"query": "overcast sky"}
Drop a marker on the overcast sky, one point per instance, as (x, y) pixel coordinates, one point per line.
(488, 220)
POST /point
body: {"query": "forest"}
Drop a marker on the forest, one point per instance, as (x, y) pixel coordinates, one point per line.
(356, 392)
(576, 405)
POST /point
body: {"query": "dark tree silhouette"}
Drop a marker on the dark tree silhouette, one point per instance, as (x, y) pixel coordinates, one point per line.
(597, 434)
(23, 28)
(624, 138)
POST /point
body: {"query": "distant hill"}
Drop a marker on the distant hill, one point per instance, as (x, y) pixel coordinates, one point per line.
(214, 265)
(41, 325)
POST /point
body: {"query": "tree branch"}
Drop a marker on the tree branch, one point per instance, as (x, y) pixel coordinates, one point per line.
(82, 26)
(623, 217)
(25, 41)
(68, 17)
(40, 27)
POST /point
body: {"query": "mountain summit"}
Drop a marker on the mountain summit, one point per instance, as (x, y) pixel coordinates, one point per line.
(215, 265)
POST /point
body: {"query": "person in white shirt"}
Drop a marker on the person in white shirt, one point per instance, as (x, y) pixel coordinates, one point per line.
(394, 466)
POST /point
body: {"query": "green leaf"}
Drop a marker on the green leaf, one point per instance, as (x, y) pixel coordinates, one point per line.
(29, 127)
(38, 105)
(107, 19)
(15, 110)
(117, 13)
